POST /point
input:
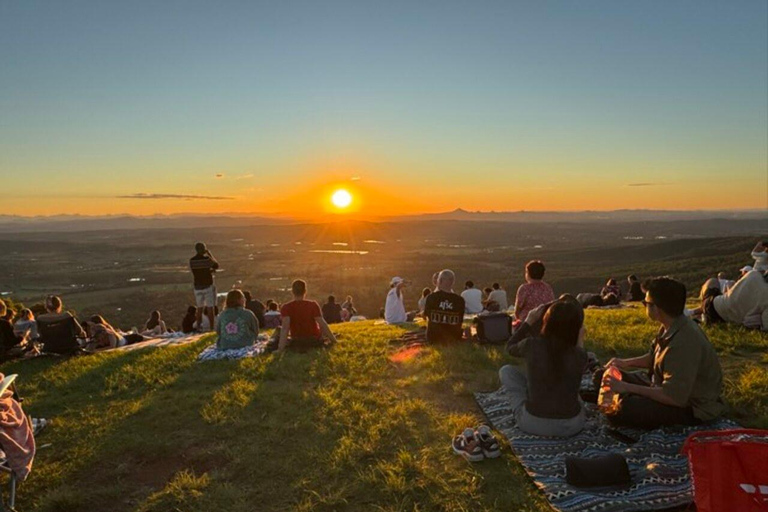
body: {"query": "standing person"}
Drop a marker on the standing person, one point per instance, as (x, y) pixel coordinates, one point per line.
(237, 326)
(423, 300)
(255, 306)
(444, 311)
(686, 380)
(332, 311)
(473, 298)
(545, 397)
(533, 293)
(635, 293)
(499, 296)
(760, 254)
(203, 265)
(394, 307)
(303, 321)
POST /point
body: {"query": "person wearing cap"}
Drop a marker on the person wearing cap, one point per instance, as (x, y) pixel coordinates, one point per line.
(745, 269)
(203, 265)
(394, 307)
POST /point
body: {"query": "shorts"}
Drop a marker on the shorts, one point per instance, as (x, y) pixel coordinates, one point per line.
(710, 314)
(205, 297)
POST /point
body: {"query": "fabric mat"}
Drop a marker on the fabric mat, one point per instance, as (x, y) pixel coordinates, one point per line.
(660, 478)
(211, 353)
(158, 342)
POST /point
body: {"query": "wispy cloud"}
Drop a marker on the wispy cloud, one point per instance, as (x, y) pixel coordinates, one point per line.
(354, 178)
(219, 175)
(187, 197)
(645, 184)
(244, 176)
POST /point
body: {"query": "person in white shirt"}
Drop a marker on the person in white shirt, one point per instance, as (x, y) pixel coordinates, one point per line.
(473, 299)
(725, 283)
(499, 296)
(394, 307)
(760, 254)
(745, 303)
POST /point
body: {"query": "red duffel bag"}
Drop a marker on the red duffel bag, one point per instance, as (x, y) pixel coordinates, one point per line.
(729, 470)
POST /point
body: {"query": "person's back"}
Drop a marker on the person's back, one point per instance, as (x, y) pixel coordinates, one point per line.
(302, 313)
(394, 307)
(553, 390)
(237, 328)
(58, 329)
(748, 296)
(188, 322)
(635, 293)
(444, 311)
(499, 296)
(256, 307)
(473, 299)
(532, 295)
(272, 319)
(332, 311)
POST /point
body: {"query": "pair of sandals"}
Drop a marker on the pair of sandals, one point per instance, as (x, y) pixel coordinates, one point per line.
(476, 444)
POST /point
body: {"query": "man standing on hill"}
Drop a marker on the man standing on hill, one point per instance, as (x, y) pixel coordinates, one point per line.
(444, 311)
(203, 265)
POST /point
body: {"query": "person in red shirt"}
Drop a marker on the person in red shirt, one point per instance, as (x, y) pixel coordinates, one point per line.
(303, 320)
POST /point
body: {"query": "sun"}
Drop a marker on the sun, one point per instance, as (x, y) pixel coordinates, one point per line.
(341, 198)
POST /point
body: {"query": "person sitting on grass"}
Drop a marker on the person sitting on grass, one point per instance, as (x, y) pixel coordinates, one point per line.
(394, 307)
(533, 293)
(102, 335)
(349, 305)
(236, 326)
(303, 321)
(686, 381)
(635, 293)
(423, 300)
(10, 342)
(498, 296)
(444, 311)
(473, 298)
(26, 324)
(255, 306)
(760, 254)
(332, 311)
(546, 401)
(272, 315)
(154, 326)
(54, 312)
(745, 303)
(611, 287)
(188, 322)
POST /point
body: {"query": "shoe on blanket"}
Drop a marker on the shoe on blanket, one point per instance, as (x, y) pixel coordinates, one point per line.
(467, 445)
(488, 442)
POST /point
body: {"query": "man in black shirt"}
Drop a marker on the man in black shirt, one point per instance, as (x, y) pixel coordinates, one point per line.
(636, 292)
(203, 265)
(332, 311)
(256, 307)
(444, 311)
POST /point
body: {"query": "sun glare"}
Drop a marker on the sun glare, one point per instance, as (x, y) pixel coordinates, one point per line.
(341, 198)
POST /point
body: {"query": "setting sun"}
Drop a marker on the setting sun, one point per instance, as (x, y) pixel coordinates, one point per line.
(341, 198)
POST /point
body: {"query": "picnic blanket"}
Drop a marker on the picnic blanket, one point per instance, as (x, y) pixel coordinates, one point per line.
(211, 353)
(660, 477)
(612, 306)
(167, 341)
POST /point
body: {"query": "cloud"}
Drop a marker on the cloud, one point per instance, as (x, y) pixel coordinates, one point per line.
(354, 178)
(244, 176)
(187, 197)
(219, 175)
(643, 184)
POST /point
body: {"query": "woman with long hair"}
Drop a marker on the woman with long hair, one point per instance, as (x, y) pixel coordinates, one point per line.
(546, 401)
(155, 326)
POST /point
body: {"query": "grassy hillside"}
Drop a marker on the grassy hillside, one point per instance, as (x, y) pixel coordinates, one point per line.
(343, 429)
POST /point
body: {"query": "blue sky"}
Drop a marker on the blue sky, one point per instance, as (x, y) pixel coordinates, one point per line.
(483, 105)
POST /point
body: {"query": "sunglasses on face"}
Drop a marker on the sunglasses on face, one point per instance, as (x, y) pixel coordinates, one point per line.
(647, 303)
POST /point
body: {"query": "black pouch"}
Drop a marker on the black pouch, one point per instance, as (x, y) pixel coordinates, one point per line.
(610, 470)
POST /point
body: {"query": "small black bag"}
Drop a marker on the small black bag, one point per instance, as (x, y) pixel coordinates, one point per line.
(610, 470)
(493, 328)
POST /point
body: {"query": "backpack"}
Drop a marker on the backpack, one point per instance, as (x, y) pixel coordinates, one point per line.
(493, 328)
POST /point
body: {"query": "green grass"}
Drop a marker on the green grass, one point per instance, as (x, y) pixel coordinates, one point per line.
(343, 429)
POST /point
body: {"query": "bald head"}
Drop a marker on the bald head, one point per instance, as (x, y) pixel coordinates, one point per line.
(445, 280)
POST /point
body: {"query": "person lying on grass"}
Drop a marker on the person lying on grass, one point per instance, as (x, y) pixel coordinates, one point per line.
(686, 381)
(547, 402)
(745, 303)
(236, 326)
(303, 321)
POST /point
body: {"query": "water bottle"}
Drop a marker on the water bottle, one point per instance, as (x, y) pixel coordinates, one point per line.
(607, 399)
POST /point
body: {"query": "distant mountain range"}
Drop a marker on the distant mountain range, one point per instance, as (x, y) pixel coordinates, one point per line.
(64, 223)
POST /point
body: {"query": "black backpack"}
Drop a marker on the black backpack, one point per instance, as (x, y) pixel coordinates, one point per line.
(493, 328)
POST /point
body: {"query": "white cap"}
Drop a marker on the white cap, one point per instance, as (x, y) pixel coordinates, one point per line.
(396, 280)
(746, 268)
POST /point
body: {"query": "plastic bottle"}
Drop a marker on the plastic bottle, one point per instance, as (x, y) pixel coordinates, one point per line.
(607, 399)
